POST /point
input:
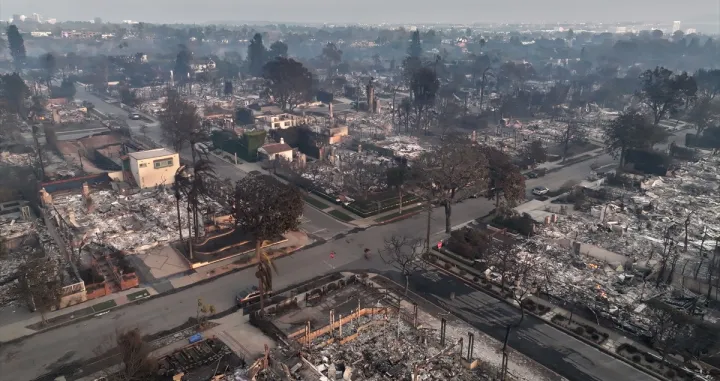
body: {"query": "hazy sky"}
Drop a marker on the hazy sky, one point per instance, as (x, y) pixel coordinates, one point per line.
(368, 11)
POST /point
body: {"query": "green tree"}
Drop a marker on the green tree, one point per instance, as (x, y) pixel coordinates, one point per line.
(14, 91)
(278, 49)
(42, 284)
(504, 178)
(332, 56)
(703, 113)
(198, 190)
(424, 88)
(573, 133)
(415, 49)
(50, 65)
(257, 55)
(180, 188)
(534, 153)
(661, 92)
(631, 130)
(288, 81)
(178, 121)
(129, 97)
(454, 170)
(708, 82)
(266, 209)
(182, 69)
(396, 178)
(17, 47)
(228, 88)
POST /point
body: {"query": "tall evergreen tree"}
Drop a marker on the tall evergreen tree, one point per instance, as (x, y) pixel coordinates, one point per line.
(415, 48)
(257, 55)
(182, 65)
(17, 46)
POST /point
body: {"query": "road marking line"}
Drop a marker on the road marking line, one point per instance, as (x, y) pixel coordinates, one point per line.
(331, 266)
(318, 231)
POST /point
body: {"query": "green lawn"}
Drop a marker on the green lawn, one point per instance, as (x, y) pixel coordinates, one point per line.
(316, 203)
(398, 214)
(104, 305)
(340, 215)
(138, 295)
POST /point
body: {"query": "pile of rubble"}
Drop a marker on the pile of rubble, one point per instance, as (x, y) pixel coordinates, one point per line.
(133, 223)
(403, 146)
(16, 159)
(631, 246)
(391, 350)
(37, 239)
(388, 348)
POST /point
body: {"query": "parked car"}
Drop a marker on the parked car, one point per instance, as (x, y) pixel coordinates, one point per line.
(134, 116)
(249, 295)
(540, 191)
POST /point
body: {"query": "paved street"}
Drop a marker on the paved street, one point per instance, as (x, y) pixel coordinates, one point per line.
(573, 359)
(38, 354)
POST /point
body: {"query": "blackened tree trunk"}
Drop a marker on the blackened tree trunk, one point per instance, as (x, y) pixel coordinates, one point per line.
(448, 212)
(177, 207)
(261, 286)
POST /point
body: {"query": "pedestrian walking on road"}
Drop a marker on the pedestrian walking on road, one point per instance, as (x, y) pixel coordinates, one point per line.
(332, 255)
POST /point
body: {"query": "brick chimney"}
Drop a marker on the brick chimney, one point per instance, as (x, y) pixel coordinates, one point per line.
(85, 190)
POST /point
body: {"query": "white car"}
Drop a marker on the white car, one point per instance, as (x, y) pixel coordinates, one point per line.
(540, 191)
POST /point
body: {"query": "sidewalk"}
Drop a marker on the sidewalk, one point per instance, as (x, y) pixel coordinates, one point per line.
(58, 318)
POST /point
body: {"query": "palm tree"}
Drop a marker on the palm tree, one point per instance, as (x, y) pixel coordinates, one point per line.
(199, 189)
(266, 267)
(180, 188)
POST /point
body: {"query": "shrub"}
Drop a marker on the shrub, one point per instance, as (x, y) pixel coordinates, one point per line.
(590, 329)
(448, 266)
(636, 358)
(670, 373)
(595, 337)
(649, 358)
(630, 349)
(579, 330)
(476, 279)
(558, 318)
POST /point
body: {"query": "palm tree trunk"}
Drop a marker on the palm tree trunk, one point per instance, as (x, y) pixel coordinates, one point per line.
(196, 221)
(261, 286)
(400, 197)
(177, 207)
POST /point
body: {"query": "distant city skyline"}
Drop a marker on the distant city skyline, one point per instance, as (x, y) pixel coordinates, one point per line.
(371, 11)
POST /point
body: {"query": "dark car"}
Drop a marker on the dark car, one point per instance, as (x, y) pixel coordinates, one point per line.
(248, 296)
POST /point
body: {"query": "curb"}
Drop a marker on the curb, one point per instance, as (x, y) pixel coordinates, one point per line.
(556, 326)
(398, 218)
(145, 299)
